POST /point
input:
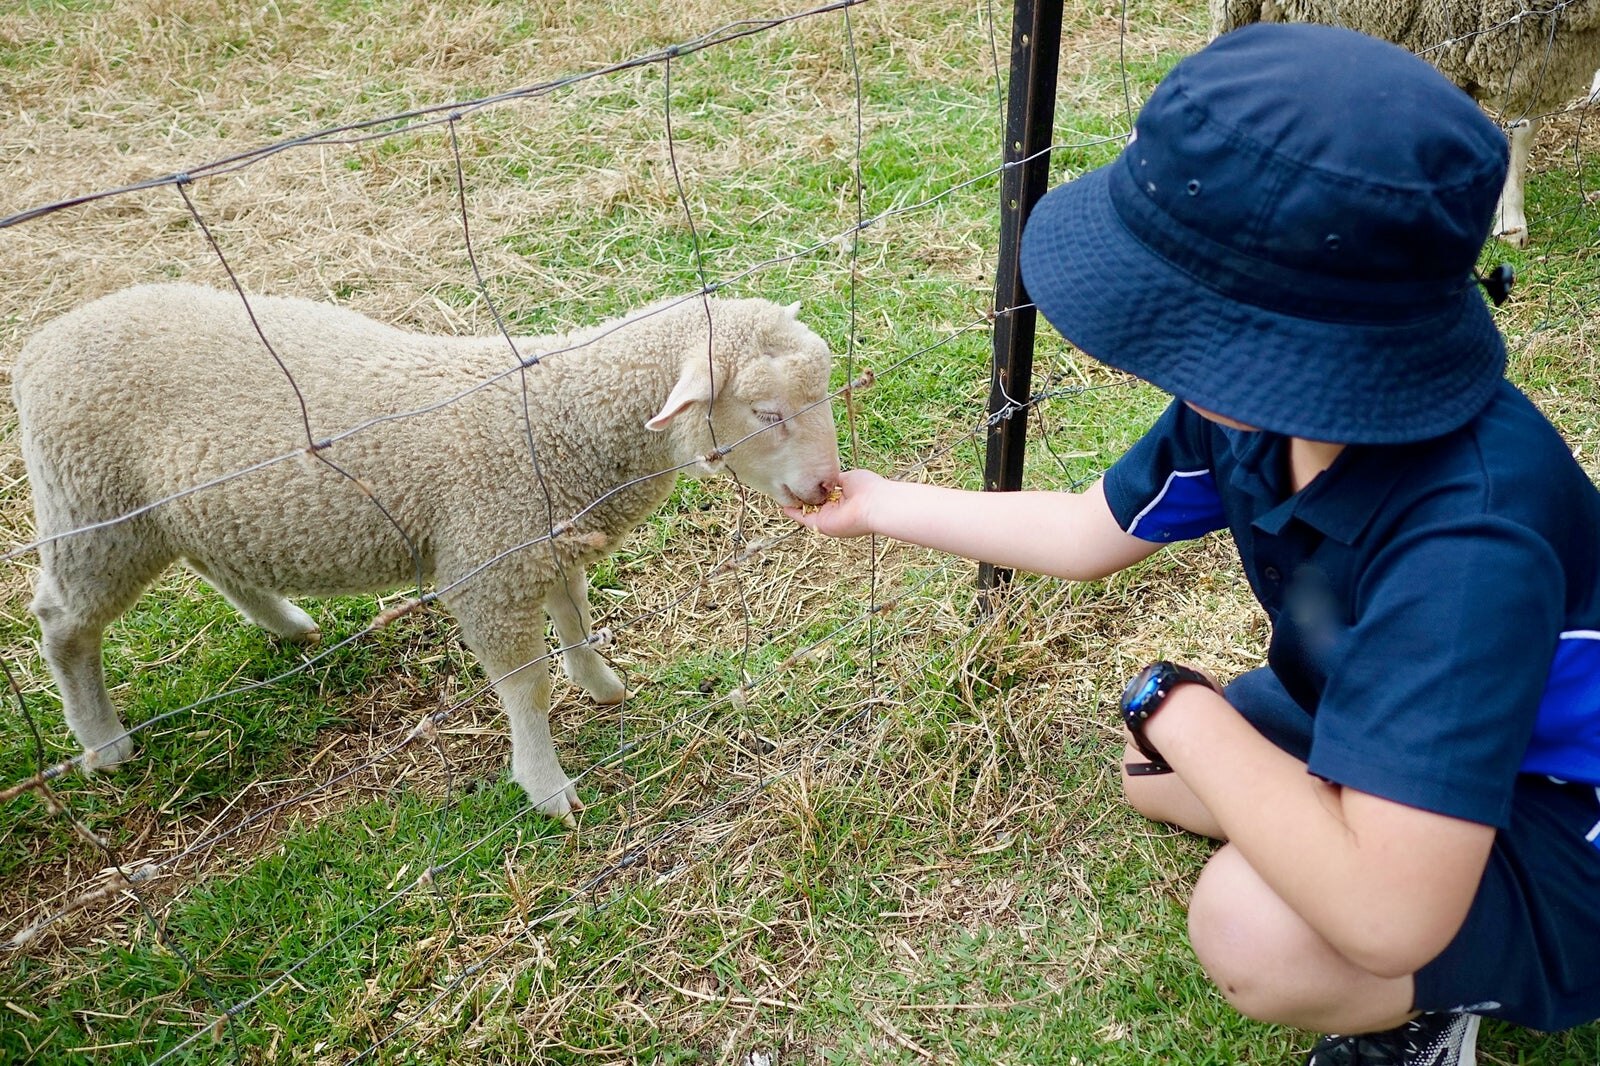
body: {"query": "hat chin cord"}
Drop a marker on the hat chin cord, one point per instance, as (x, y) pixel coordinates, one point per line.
(1497, 282)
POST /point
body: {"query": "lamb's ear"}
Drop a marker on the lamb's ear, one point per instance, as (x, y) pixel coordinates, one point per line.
(793, 310)
(694, 386)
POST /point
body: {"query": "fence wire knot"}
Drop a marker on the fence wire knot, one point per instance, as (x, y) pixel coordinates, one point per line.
(398, 611)
(427, 729)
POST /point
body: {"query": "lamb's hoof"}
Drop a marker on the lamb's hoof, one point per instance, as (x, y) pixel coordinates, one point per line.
(561, 804)
(599, 681)
(107, 756)
(566, 810)
(294, 625)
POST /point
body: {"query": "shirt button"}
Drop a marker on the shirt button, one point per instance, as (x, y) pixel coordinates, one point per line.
(1272, 574)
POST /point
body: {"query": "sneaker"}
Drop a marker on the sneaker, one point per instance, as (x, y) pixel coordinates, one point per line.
(1426, 1040)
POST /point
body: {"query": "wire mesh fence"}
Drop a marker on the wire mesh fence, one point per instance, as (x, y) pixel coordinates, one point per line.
(315, 855)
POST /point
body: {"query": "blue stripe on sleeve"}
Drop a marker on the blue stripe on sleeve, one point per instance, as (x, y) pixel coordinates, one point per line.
(1566, 735)
(1188, 506)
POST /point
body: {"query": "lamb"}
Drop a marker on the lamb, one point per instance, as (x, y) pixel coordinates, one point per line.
(1520, 60)
(159, 388)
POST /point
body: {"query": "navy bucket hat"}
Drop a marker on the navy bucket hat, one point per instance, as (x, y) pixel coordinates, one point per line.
(1289, 239)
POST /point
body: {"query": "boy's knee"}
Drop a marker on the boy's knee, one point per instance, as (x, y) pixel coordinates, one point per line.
(1247, 940)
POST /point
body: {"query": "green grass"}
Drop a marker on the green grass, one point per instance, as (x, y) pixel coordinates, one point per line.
(904, 844)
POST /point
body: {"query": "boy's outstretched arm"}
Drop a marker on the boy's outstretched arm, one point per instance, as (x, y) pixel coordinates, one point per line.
(1063, 534)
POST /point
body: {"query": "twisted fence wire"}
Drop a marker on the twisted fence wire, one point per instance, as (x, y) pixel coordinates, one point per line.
(431, 878)
(589, 337)
(851, 333)
(121, 882)
(430, 722)
(428, 728)
(387, 616)
(706, 286)
(408, 121)
(317, 447)
(469, 974)
(632, 855)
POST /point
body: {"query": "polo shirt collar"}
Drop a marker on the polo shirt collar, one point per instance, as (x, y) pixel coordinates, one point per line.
(1340, 503)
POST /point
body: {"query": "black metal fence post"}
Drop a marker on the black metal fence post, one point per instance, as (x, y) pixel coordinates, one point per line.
(1030, 118)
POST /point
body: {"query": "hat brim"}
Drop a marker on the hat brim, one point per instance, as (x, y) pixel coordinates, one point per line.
(1353, 383)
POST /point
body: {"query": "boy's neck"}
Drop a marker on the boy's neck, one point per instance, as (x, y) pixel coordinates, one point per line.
(1308, 458)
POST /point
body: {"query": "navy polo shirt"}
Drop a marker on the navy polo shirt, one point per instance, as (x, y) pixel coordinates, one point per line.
(1435, 606)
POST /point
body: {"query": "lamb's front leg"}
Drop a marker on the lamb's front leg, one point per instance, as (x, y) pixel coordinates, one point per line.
(73, 653)
(84, 584)
(1511, 219)
(510, 645)
(567, 604)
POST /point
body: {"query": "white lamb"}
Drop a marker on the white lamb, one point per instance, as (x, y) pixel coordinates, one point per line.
(156, 389)
(1522, 59)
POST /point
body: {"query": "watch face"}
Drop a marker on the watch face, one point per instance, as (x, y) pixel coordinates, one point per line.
(1145, 684)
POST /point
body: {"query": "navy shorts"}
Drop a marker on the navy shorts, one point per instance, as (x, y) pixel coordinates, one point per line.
(1529, 950)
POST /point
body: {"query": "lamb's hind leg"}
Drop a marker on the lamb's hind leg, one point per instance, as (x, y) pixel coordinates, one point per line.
(508, 641)
(268, 610)
(568, 607)
(79, 591)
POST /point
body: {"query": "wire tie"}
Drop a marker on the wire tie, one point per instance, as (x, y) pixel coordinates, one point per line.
(398, 611)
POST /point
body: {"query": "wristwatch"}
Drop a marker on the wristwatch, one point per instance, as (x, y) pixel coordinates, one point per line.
(1142, 698)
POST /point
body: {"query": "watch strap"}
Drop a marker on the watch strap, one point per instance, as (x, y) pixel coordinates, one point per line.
(1168, 676)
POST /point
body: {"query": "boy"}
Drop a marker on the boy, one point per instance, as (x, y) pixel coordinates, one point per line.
(1410, 790)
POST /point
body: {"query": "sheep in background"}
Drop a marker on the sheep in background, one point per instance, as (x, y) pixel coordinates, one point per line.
(1520, 59)
(159, 388)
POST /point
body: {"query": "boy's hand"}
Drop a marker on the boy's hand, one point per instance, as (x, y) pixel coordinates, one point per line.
(846, 512)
